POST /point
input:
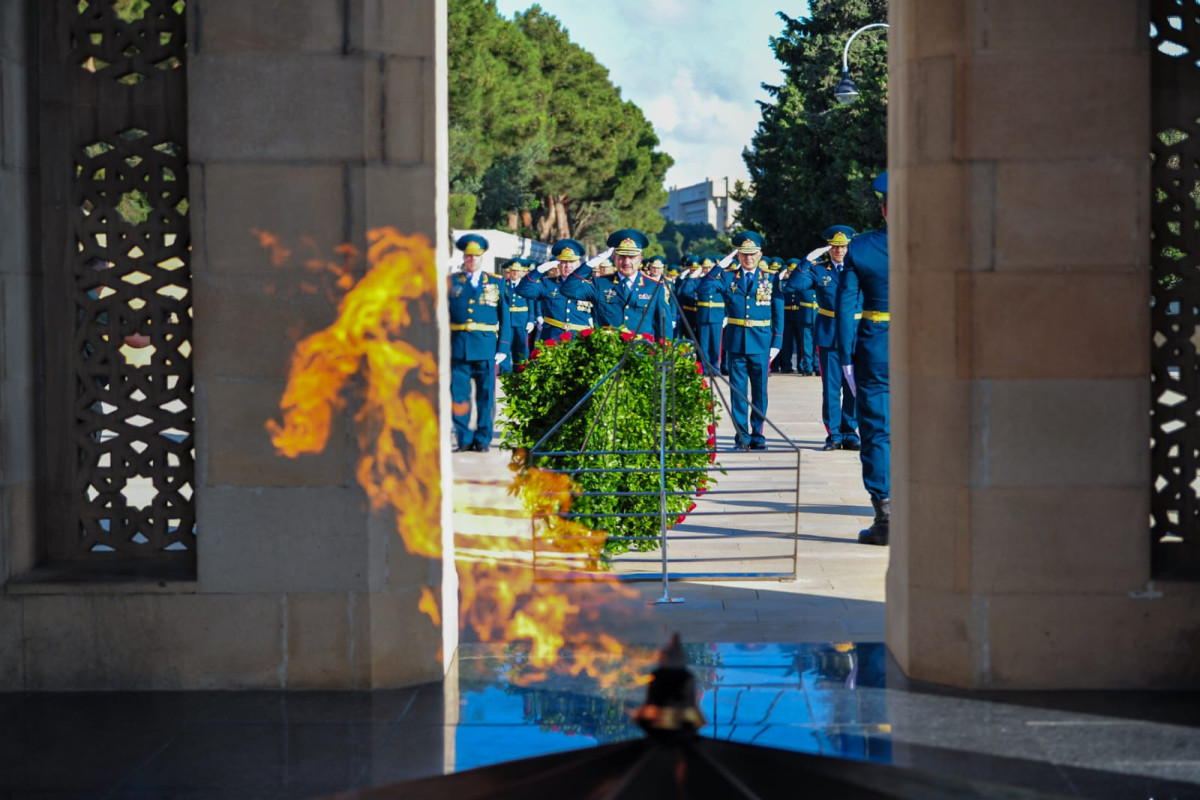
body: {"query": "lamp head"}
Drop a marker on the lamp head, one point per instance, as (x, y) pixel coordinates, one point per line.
(845, 92)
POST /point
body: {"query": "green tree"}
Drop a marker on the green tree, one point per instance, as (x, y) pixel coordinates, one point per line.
(701, 239)
(812, 160)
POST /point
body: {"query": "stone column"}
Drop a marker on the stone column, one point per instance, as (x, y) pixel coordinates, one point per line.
(315, 125)
(1018, 153)
(20, 376)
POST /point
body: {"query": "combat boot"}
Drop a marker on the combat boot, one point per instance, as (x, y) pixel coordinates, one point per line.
(878, 532)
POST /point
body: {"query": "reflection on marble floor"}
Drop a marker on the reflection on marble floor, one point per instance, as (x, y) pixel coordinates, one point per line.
(845, 700)
(810, 698)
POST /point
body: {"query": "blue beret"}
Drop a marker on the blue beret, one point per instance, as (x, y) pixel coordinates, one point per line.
(839, 234)
(628, 242)
(748, 242)
(880, 184)
(690, 261)
(472, 244)
(567, 250)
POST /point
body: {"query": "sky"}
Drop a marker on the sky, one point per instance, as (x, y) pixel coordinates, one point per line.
(661, 55)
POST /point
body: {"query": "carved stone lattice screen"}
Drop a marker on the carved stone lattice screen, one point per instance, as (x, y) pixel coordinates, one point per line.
(115, 164)
(1175, 257)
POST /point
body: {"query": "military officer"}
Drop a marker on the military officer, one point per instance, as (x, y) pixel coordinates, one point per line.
(709, 304)
(685, 289)
(479, 330)
(863, 349)
(653, 266)
(559, 313)
(823, 276)
(806, 362)
(520, 316)
(627, 300)
(791, 321)
(754, 311)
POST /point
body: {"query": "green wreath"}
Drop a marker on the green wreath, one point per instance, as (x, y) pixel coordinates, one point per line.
(621, 416)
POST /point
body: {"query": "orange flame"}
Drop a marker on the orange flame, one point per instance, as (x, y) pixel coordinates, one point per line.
(398, 436)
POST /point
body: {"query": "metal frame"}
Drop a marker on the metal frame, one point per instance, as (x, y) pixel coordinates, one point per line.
(611, 380)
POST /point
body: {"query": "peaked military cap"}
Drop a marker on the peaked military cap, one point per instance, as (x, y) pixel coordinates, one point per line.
(472, 244)
(567, 250)
(516, 263)
(839, 235)
(652, 261)
(708, 261)
(672, 271)
(628, 242)
(748, 242)
(880, 183)
(792, 263)
(691, 261)
(772, 263)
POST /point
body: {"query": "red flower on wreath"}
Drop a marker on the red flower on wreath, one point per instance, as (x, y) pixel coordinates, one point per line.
(704, 383)
(586, 332)
(699, 368)
(534, 353)
(712, 441)
(712, 428)
(679, 519)
(520, 367)
(691, 508)
(565, 337)
(549, 343)
(627, 335)
(649, 337)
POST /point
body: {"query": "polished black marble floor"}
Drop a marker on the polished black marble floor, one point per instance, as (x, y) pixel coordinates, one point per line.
(842, 700)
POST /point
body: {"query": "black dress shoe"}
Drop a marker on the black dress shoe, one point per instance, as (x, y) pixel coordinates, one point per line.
(758, 445)
(851, 446)
(479, 448)
(832, 446)
(741, 446)
(464, 448)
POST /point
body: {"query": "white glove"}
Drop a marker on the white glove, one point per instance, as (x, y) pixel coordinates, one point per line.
(500, 358)
(540, 323)
(528, 327)
(774, 352)
(549, 265)
(727, 260)
(698, 272)
(848, 375)
(815, 254)
(596, 260)
(724, 322)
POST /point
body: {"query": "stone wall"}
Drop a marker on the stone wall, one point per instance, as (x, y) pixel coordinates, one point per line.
(316, 125)
(1019, 137)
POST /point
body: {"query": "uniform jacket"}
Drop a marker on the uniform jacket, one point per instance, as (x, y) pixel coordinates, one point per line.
(864, 287)
(642, 310)
(559, 313)
(478, 318)
(755, 313)
(520, 309)
(823, 278)
(709, 301)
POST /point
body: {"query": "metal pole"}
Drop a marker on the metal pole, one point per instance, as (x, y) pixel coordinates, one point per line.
(846, 49)
(662, 481)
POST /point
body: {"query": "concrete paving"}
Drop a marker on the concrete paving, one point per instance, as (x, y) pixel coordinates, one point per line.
(834, 590)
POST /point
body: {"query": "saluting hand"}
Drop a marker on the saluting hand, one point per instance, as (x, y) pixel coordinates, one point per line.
(549, 265)
(815, 254)
(727, 260)
(596, 260)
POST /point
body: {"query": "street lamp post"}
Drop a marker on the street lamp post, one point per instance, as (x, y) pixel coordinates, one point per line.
(846, 92)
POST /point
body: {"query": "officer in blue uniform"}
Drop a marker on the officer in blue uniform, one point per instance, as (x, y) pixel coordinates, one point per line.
(685, 290)
(559, 313)
(754, 310)
(863, 348)
(654, 268)
(627, 300)
(709, 304)
(806, 361)
(520, 315)
(837, 401)
(793, 327)
(478, 342)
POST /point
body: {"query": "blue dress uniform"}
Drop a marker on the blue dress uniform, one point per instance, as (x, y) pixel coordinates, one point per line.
(798, 313)
(865, 285)
(635, 303)
(755, 313)
(709, 301)
(559, 313)
(478, 334)
(520, 314)
(685, 290)
(837, 401)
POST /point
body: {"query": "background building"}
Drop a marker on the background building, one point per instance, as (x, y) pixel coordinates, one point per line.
(702, 203)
